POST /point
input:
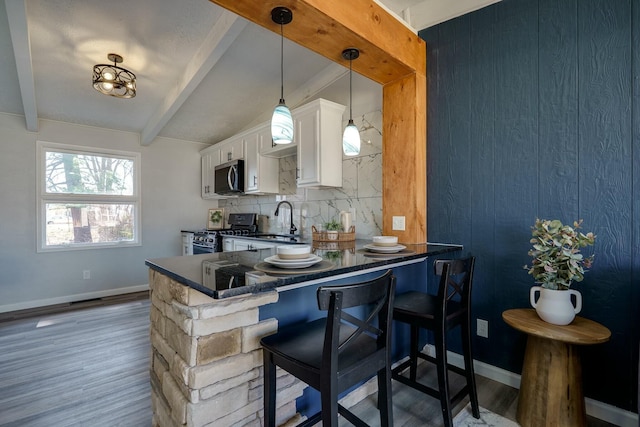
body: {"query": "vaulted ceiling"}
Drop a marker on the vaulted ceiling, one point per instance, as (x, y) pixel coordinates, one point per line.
(203, 73)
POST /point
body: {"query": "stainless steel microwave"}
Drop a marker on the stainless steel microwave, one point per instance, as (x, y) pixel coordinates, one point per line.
(229, 177)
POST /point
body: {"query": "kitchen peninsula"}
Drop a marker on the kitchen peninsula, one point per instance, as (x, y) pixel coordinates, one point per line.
(209, 312)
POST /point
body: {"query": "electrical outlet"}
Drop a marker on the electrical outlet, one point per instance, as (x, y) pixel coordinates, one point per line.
(483, 328)
(397, 223)
(86, 274)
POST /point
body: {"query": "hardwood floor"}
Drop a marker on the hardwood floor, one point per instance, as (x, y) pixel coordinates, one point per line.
(89, 367)
(86, 367)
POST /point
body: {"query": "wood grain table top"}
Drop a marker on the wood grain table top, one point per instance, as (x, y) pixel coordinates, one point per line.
(581, 331)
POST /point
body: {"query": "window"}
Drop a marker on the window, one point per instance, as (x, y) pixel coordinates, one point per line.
(89, 197)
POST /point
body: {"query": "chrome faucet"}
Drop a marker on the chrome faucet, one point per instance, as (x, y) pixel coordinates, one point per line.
(292, 229)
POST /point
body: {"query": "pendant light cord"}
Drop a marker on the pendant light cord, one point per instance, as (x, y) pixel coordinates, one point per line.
(350, 90)
(281, 63)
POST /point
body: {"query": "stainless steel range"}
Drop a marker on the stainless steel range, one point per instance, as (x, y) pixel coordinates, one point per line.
(208, 241)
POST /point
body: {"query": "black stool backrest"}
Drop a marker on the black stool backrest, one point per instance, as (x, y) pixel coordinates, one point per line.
(454, 291)
(375, 297)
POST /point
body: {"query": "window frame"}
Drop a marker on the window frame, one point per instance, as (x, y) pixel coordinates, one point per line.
(43, 197)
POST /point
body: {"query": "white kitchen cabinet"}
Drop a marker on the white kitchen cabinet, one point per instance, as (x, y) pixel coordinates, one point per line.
(222, 152)
(210, 159)
(234, 244)
(318, 133)
(232, 148)
(262, 173)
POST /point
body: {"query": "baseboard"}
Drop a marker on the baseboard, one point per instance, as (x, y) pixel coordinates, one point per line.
(594, 408)
(72, 298)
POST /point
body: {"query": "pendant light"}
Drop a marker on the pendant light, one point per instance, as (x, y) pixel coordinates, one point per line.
(281, 121)
(351, 136)
(113, 80)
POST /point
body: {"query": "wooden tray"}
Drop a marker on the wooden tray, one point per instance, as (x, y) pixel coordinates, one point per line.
(340, 236)
(323, 265)
(372, 254)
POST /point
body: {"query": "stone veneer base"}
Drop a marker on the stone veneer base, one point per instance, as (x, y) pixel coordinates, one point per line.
(206, 360)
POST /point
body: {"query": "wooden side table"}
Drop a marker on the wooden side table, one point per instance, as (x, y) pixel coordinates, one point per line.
(551, 383)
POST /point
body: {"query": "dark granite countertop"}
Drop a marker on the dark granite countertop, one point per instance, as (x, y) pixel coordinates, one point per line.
(227, 274)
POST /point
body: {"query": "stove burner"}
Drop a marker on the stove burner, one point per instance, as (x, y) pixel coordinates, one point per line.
(242, 224)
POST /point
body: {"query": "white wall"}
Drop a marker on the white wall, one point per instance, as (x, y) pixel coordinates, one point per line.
(170, 202)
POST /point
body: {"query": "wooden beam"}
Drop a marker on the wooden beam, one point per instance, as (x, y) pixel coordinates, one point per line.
(390, 54)
(388, 49)
(404, 157)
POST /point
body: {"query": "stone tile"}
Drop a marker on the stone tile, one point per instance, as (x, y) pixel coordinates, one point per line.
(178, 318)
(176, 399)
(251, 335)
(192, 312)
(235, 304)
(185, 345)
(195, 298)
(157, 320)
(162, 346)
(240, 417)
(208, 326)
(206, 411)
(206, 375)
(217, 346)
(210, 391)
(159, 365)
(286, 412)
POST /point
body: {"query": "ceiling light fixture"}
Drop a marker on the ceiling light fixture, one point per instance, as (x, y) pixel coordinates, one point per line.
(281, 121)
(113, 80)
(351, 136)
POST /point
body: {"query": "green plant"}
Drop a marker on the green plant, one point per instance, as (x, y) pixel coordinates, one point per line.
(333, 225)
(216, 217)
(557, 260)
(333, 255)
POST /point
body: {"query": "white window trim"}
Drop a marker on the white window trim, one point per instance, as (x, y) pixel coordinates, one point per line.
(43, 197)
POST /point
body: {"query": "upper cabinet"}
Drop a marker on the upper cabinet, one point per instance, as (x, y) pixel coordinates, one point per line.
(217, 154)
(210, 159)
(232, 149)
(262, 173)
(317, 143)
(318, 132)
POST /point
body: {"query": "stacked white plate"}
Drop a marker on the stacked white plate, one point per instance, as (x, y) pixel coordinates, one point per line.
(310, 260)
(384, 245)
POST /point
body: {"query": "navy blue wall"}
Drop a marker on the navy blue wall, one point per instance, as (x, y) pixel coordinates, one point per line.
(534, 112)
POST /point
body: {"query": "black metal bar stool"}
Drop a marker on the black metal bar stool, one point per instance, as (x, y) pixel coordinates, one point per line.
(441, 313)
(334, 353)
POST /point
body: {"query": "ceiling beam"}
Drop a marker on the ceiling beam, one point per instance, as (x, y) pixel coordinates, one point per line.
(388, 49)
(19, 28)
(219, 39)
(390, 54)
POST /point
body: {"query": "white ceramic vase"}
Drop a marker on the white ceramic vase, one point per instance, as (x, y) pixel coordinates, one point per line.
(555, 306)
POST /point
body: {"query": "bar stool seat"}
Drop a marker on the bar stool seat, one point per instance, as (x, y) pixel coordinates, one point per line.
(335, 353)
(449, 309)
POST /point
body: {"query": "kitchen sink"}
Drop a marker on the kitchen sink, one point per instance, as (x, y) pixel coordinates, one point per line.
(287, 238)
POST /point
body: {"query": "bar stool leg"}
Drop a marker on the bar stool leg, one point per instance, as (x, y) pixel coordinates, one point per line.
(269, 390)
(384, 399)
(443, 376)
(413, 352)
(468, 367)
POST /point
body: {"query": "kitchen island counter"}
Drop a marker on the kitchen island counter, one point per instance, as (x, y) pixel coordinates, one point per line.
(229, 274)
(210, 311)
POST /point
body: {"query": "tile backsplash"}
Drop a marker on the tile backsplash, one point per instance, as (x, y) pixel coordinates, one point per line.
(361, 190)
